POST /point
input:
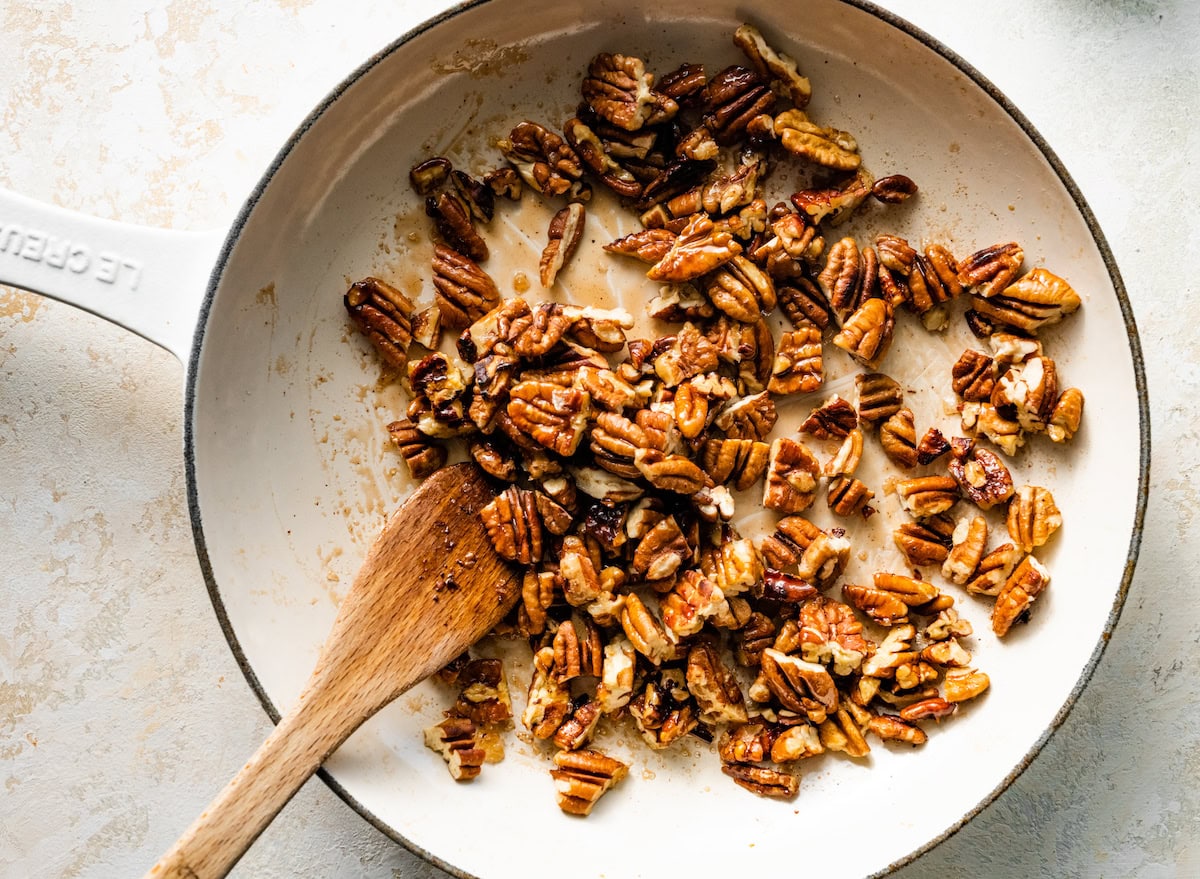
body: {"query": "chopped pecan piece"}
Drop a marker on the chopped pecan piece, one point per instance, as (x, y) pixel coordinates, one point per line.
(822, 146)
(973, 376)
(384, 315)
(732, 99)
(700, 248)
(1035, 300)
(552, 415)
(742, 461)
(1067, 414)
(750, 417)
(582, 777)
(619, 90)
(741, 290)
(1032, 517)
(983, 478)
(457, 740)
(926, 542)
(772, 65)
(898, 436)
(791, 481)
(422, 456)
(763, 781)
(714, 686)
(988, 271)
(967, 549)
(565, 233)
(927, 496)
(867, 333)
(464, 291)
(543, 159)
(834, 418)
(1018, 593)
(879, 397)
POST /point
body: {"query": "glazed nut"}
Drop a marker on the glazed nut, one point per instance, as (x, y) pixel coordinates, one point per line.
(973, 376)
(1018, 593)
(619, 90)
(898, 436)
(983, 478)
(544, 160)
(822, 146)
(1033, 517)
(763, 780)
(867, 333)
(582, 777)
(1067, 414)
(772, 65)
(514, 525)
(457, 740)
(988, 271)
(894, 189)
(751, 417)
(833, 419)
(464, 291)
(962, 684)
(791, 479)
(550, 414)
(714, 686)
(565, 233)
(383, 314)
(740, 461)
(927, 496)
(967, 550)
(700, 247)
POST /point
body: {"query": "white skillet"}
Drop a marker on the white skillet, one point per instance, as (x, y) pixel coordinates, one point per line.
(289, 474)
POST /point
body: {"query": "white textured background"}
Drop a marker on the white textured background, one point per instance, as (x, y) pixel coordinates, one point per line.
(121, 708)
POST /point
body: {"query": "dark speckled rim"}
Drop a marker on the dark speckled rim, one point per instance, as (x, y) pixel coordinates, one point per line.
(1135, 349)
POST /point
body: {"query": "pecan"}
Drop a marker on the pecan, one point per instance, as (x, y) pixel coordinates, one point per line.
(647, 245)
(973, 376)
(552, 415)
(565, 233)
(741, 460)
(645, 632)
(832, 635)
(577, 729)
(452, 217)
(926, 542)
(896, 729)
(384, 315)
(700, 247)
(967, 549)
(543, 159)
(616, 675)
(1023, 586)
(1068, 412)
(800, 686)
(982, 477)
(763, 781)
(898, 436)
(457, 740)
(732, 98)
(1035, 300)
(750, 417)
(582, 777)
(421, 456)
(932, 446)
(927, 496)
(866, 334)
(965, 683)
(619, 90)
(1031, 389)
(791, 481)
(514, 525)
(994, 570)
(548, 702)
(828, 147)
(464, 291)
(772, 65)
(894, 189)
(714, 686)
(661, 551)
(741, 290)
(879, 397)
(988, 271)
(848, 495)
(426, 177)
(802, 302)
(1032, 517)
(840, 732)
(833, 418)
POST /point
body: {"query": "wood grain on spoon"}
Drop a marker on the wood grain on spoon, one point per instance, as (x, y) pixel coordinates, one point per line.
(431, 586)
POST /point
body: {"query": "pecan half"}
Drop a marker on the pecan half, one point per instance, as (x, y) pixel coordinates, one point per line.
(464, 291)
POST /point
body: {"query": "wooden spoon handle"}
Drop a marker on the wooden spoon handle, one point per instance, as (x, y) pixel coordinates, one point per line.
(300, 743)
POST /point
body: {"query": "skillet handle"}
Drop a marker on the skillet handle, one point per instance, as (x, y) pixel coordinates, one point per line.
(151, 281)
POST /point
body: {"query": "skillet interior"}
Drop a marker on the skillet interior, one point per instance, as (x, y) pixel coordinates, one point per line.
(290, 473)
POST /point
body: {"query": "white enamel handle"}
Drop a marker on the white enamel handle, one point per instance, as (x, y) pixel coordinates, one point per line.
(151, 281)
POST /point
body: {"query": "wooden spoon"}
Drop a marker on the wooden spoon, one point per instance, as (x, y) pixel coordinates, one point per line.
(430, 587)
